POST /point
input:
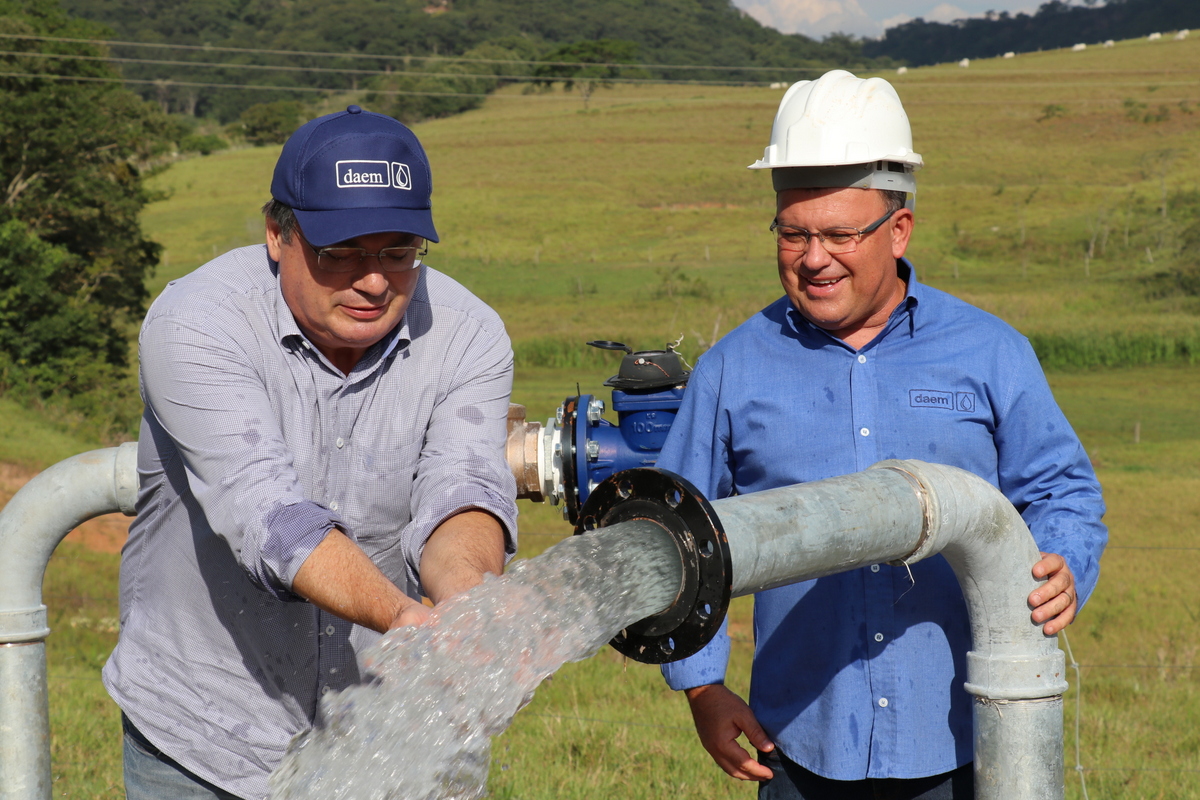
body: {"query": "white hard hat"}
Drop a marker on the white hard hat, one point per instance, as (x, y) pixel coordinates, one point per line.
(839, 131)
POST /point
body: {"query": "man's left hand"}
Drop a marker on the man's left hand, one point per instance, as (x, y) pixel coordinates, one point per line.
(1055, 601)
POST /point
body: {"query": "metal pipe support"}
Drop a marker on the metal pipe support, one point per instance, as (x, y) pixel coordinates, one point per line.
(37, 518)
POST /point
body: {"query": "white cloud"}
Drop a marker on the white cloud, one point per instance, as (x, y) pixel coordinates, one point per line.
(892, 22)
(814, 18)
(945, 12)
(819, 18)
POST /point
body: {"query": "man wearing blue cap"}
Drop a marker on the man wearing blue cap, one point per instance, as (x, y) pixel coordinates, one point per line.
(323, 444)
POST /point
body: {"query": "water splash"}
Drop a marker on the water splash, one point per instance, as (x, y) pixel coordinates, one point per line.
(420, 727)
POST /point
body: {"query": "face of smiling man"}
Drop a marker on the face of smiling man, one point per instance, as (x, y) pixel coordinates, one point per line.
(342, 314)
(851, 295)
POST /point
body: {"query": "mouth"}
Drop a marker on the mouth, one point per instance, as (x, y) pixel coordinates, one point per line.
(822, 286)
(365, 313)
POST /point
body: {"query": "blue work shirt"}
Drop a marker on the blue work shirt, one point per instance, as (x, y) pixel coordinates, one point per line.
(860, 675)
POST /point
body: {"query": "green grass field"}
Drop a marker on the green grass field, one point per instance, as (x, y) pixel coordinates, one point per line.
(635, 220)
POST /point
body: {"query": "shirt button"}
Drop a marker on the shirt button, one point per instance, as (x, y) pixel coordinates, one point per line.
(330, 631)
(874, 568)
(879, 637)
(862, 359)
(865, 431)
(340, 442)
(325, 689)
(883, 702)
(333, 506)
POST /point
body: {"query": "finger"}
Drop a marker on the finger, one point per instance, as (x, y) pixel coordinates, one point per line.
(1060, 580)
(738, 764)
(1057, 614)
(1054, 606)
(1049, 563)
(756, 735)
(1060, 622)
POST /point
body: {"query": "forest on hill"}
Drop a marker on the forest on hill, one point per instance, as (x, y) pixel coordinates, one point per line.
(431, 48)
(1055, 24)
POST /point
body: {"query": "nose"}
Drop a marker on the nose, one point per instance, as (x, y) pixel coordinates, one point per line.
(371, 280)
(816, 256)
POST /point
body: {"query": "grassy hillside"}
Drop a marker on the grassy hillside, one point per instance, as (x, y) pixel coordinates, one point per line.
(636, 220)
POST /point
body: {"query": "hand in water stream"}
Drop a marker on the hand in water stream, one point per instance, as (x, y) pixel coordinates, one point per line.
(414, 613)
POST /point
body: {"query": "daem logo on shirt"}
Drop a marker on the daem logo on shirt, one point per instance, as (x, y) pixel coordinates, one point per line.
(929, 398)
(373, 174)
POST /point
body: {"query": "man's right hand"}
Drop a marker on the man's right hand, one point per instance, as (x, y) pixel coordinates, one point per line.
(414, 613)
(721, 717)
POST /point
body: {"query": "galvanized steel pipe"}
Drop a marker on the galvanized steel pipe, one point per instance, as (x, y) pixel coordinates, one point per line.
(37, 518)
(901, 512)
(898, 512)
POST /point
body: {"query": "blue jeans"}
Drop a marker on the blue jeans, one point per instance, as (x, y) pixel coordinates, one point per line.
(151, 775)
(794, 782)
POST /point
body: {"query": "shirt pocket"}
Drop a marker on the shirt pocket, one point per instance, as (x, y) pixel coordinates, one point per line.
(382, 489)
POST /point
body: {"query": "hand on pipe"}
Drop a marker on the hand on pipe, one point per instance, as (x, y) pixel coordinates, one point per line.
(721, 717)
(1055, 602)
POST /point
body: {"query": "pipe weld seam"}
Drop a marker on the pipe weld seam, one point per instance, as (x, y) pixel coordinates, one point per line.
(919, 552)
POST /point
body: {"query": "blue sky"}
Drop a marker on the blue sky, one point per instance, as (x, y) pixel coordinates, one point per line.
(817, 18)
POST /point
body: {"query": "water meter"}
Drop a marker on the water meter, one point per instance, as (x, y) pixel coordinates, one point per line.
(574, 452)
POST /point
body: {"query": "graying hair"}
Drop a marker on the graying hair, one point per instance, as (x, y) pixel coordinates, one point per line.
(283, 216)
(893, 201)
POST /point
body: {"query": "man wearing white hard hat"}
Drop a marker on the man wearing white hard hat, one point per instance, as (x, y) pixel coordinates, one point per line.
(857, 684)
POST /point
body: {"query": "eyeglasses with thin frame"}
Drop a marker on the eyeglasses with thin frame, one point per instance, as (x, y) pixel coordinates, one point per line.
(836, 241)
(342, 259)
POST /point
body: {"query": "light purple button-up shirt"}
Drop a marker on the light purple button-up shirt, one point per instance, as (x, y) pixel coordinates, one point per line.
(253, 446)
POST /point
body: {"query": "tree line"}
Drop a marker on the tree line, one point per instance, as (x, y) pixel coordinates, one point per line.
(1055, 24)
(76, 145)
(395, 39)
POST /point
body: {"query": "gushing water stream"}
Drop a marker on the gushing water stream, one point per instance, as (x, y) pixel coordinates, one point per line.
(420, 726)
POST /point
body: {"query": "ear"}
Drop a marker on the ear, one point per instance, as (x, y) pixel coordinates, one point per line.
(902, 228)
(274, 240)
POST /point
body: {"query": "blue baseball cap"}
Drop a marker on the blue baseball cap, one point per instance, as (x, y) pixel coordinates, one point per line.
(355, 173)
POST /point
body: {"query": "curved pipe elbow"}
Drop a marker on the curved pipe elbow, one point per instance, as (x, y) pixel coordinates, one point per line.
(992, 553)
(42, 513)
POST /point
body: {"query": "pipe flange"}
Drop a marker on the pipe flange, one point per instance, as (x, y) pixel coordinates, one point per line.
(571, 474)
(662, 497)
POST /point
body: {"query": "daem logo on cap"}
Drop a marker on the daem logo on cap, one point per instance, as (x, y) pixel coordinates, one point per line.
(373, 174)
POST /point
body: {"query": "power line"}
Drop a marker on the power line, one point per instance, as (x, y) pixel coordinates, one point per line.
(406, 59)
(344, 71)
(258, 86)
